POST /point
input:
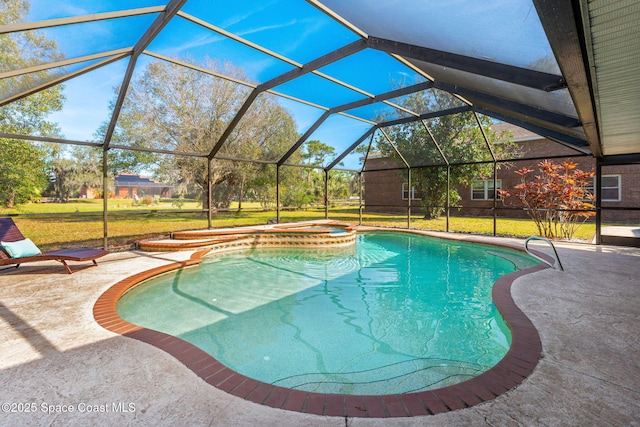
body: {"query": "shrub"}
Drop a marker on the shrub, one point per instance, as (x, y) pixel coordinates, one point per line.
(557, 199)
(178, 203)
(147, 200)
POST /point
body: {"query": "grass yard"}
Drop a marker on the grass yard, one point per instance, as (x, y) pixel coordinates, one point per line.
(474, 225)
(48, 226)
(93, 205)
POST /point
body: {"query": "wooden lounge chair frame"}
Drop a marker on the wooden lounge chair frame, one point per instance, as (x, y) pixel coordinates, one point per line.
(9, 232)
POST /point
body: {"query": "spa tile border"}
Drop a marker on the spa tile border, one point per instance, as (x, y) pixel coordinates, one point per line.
(513, 369)
(273, 235)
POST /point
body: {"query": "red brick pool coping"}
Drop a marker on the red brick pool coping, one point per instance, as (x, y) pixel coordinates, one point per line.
(515, 367)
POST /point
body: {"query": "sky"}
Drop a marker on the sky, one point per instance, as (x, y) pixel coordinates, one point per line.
(296, 31)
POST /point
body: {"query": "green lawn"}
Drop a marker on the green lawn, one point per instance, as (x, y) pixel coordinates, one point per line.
(92, 205)
(128, 222)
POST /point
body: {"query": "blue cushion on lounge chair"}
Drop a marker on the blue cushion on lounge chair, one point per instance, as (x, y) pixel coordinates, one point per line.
(21, 248)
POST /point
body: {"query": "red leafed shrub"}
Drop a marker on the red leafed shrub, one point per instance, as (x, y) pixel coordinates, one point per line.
(556, 198)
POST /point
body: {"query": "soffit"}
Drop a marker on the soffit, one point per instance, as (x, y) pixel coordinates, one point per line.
(613, 42)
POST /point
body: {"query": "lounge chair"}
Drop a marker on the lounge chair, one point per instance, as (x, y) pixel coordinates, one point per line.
(9, 233)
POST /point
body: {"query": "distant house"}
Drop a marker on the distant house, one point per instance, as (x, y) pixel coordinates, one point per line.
(387, 190)
(128, 185)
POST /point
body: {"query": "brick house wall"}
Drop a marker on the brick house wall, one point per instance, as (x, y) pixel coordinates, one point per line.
(128, 185)
(530, 146)
(383, 188)
(630, 194)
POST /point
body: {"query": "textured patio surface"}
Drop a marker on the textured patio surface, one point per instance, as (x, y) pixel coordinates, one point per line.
(622, 231)
(54, 357)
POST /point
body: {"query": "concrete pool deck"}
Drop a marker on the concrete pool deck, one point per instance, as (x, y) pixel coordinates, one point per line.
(55, 357)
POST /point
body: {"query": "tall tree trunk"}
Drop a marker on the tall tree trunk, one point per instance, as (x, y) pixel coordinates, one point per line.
(241, 195)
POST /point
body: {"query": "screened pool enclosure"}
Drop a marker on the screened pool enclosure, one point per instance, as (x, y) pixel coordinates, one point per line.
(243, 101)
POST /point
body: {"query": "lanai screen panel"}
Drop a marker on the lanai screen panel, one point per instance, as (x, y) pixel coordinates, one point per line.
(17, 85)
(87, 38)
(373, 71)
(382, 153)
(460, 138)
(380, 112)
(172, 107)
(335, 134)
(84, 108)
(319, 91)
(304, 115)
(71, 50)
(355, 159)
(410, 143)
(267, 130)
(293, 29)
(41, 10)
(501, 31)
(187, 41)
(86, 111)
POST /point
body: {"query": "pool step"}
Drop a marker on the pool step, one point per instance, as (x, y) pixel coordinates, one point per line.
(169, 245)
(204, 234)
(299, 235)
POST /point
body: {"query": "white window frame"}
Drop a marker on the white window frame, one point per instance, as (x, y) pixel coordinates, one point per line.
(617, 187)
(488, 183)
(405, 193)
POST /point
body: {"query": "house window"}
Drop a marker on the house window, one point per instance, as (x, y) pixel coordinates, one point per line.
(483, 190)
(415, 195)
(610, 188)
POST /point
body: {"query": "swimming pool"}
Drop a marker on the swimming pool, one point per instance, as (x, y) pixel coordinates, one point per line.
(397, 313)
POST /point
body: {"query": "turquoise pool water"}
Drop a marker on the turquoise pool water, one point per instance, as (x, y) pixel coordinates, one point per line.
(395, 313)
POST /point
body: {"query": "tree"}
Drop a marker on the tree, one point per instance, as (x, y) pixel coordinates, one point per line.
(88, 170)
(130, 132)
(341, 184)
(263, 189)
(460, 141)
(557, 199)
(72, 169)
(266, 132)
(316, 152)
(62, 170)
(22, 164)
(176, 108)
(306, 186)
(22, 175)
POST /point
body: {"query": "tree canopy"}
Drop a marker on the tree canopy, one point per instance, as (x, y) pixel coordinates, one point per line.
(428, 146)
(23, 167)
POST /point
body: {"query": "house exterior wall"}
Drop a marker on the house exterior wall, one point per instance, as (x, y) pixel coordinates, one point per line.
(123, 193)
(383, 188)
(506, 173)
(128, 185)
(130, 191)
(630, 192)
